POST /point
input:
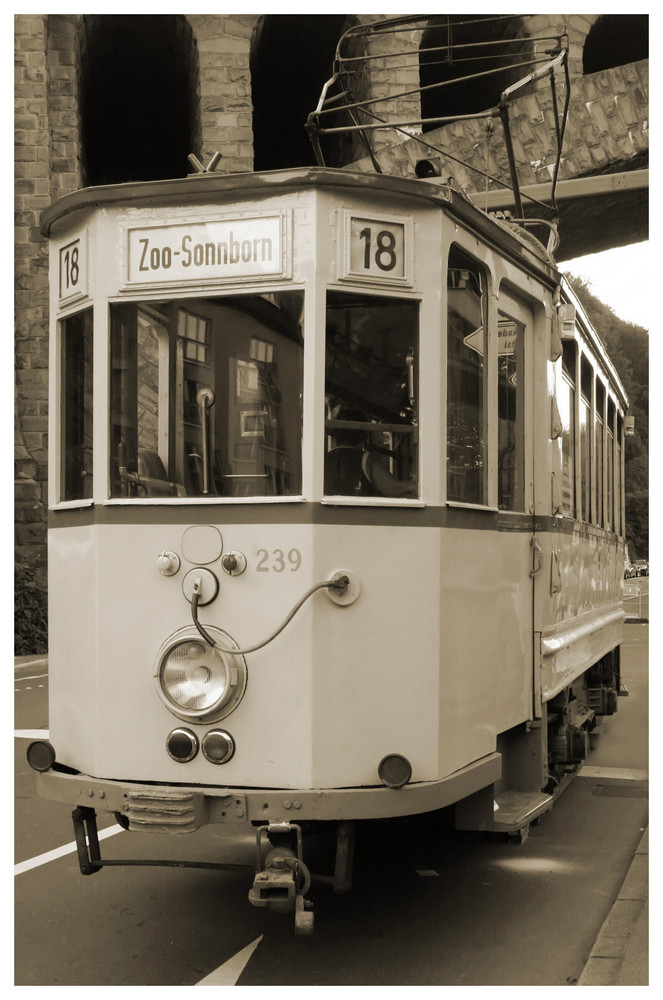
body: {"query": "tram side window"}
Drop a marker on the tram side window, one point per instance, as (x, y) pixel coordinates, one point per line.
(206, 397)
(566, 409)
(466, 406)
(619, 527)
(599, 442)
(610, 466)
(510, 431)
(371, 382)
(76, 406)
(586, 378)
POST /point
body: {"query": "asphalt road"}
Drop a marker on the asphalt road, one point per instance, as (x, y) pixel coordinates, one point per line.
(429, 907)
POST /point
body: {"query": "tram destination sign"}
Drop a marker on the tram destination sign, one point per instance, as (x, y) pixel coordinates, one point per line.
(227, 249)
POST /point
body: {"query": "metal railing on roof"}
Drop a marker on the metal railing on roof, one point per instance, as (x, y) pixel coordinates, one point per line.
(368, 114)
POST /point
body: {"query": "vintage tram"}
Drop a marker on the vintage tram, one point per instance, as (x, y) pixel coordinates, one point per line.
(335, 519)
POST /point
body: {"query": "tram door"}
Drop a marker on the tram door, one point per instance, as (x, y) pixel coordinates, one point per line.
(490, 409)
(515, 465)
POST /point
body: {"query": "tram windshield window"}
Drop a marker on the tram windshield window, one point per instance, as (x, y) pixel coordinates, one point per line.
(206, 397)
(76, 407)
(466, 353)
(371, 396)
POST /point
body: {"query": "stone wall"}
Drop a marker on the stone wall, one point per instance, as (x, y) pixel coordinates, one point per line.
(32, 194)
(224, 48)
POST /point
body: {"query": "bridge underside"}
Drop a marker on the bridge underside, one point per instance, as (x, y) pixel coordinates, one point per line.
(595, 213)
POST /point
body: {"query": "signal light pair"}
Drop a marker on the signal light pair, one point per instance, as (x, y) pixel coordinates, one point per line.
(217, 745)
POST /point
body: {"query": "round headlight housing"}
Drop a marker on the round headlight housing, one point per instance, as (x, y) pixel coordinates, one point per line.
(198, 682)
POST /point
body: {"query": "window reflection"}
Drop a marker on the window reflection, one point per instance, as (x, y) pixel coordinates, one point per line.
(566, 409)
(618, 476)
(206, 397)
(371, 396)
(510, 430)
(599, 443)
(76, 360)
(584, 431)
(466, 351)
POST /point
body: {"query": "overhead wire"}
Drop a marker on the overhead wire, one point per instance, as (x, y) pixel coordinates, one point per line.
(344, 69)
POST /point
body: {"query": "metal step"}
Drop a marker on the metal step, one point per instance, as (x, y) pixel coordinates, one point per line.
(516, 810)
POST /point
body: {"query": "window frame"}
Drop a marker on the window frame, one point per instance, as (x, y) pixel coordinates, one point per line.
(83, 316)
(568, 376)
(334, 499)
(189, 303)
(619, 472)
(512, 306)
(610, 463)
(585, 462)
(488, 482)
(600, 399)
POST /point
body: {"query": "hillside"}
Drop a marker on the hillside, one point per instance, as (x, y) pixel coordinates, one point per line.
(628, 346)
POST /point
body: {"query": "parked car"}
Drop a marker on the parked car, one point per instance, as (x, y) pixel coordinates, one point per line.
(629, 571)
(641, 567)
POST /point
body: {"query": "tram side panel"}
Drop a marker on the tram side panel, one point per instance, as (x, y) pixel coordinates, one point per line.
(578, 588)
(486, 645)
(583, 596)
(377, 683)
(73, 654)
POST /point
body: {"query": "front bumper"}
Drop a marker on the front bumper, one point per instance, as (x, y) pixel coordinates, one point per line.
(184, 808)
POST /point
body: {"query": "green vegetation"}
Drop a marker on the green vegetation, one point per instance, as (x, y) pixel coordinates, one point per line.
(30, 613)
(628, 347)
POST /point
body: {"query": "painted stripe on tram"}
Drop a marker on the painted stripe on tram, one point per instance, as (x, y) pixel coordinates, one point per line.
(300, 512)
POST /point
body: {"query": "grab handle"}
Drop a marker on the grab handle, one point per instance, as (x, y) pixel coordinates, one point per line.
(537, 557)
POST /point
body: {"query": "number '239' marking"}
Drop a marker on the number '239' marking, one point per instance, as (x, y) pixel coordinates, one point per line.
(277, 560)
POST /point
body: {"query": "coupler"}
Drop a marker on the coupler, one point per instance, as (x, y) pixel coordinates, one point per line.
(282, 879)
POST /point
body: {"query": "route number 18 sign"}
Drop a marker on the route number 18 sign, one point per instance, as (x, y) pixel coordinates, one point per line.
(73, 270)
(376, 249)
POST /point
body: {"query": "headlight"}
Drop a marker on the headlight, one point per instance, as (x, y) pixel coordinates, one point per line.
(197, 682)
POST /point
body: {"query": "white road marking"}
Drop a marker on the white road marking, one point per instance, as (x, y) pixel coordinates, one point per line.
(60, 852)
(228, 973)
(34, 677)
(625, 773)
(31, 734)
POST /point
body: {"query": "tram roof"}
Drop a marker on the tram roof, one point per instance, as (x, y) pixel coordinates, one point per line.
(199, 188)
